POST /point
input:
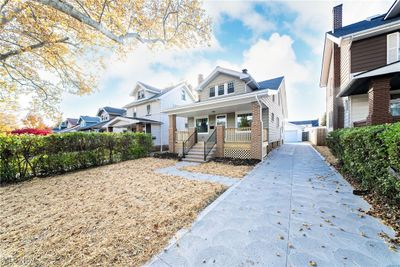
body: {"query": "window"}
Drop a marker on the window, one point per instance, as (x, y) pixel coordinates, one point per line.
(273, 98)
(212, 91)
(279, 99)
(393, 47)
(148, 109)
(272, 116)
(221, 90)
(220, 120)
(277, 122)
(231, 88)
(134, 112)
(140, 94)
(202, 125)
(183, 95)
(244, 120)
(395, 104)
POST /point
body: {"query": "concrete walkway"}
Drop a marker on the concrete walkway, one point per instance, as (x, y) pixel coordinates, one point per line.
(292, 210)
(175, 170)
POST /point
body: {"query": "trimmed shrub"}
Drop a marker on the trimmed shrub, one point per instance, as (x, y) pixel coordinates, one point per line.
(32, 131)
(367, 154)
(26, 156)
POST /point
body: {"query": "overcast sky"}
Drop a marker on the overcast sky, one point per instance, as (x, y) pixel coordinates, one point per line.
(270, 39)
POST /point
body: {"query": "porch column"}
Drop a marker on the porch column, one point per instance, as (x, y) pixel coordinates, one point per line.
(139, 127)
(256, 132)
(171, 133)
(220, 141)
(379, 101)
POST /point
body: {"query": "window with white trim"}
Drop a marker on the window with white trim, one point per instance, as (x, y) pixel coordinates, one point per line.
(393, 47)
(231, 88)
(272, 117)
(148, 109)
(183, 95)
(140, 94)
(212, 91)
(273, 98)
(277, 122)
(244, 120)
(395, 104)
(134, 112)
(221, 89)
(202, 125)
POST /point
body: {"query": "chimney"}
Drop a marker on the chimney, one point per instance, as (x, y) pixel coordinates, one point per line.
(337, 17)
(244, 71)
(200, 78)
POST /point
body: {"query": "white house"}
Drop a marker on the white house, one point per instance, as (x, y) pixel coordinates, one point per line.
(145, 112)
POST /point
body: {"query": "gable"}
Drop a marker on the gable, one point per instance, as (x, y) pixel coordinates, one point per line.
(222, 79)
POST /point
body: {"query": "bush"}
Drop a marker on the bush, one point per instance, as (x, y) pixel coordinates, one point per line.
(26, 156)
(32, 131)
(367, 154)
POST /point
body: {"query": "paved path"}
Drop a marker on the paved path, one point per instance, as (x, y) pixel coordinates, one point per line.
(175, 170)
(292, 210)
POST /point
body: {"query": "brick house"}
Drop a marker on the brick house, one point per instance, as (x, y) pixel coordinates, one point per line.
(235, 116)
(361, 70)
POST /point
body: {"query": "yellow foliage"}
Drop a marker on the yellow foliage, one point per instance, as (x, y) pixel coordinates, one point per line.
(34, 121)
(48, 47)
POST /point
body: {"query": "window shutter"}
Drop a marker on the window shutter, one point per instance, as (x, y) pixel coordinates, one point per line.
(393, 48)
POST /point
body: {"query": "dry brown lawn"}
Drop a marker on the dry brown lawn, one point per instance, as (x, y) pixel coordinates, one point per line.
(217, 168)
(327, 154)
(120, 214)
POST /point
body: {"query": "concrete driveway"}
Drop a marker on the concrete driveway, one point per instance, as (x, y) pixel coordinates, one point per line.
(291, 210)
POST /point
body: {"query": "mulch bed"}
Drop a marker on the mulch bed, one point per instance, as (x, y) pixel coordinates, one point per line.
(387, 213)
(218, 168)
(236, 162)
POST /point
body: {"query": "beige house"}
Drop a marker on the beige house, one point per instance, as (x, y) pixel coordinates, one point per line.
(235, 117)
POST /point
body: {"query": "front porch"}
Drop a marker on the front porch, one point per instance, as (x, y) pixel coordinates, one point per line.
(234, 131)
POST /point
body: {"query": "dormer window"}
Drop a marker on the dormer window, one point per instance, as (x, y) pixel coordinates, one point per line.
(393, 47)
(212, 91)
(221, 90)
(183, 95)
(140, 94)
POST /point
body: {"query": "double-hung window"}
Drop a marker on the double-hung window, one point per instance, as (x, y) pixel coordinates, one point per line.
(148, 109)
(231, 88)
(183, 95)
(393, 47)
(140, 94)
(212, 91)
(395, 104)
(221, 89)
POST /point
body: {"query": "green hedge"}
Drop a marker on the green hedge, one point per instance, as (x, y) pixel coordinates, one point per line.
(366, 153)
(26, 156)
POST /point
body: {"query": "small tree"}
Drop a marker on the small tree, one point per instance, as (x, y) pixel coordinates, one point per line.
(322, 120)
(34, 121)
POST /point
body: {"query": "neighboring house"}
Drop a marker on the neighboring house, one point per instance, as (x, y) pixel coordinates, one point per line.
(361, 70)
(88, 123)
(145, 112)
(293, 132)
(109, 113)
(306, 123)
(235, 117)
(69, 125)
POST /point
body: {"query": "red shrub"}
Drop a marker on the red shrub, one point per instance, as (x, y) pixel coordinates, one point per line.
(32, 131)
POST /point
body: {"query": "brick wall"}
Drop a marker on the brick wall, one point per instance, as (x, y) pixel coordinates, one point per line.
(379, 101)
(256, 132)
(171, 133)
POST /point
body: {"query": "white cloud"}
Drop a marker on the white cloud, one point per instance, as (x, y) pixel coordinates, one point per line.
(244, 11)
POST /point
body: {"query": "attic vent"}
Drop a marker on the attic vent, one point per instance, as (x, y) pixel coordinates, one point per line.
(373, 17)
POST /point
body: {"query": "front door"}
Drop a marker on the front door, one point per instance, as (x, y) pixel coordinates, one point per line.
(220, 120)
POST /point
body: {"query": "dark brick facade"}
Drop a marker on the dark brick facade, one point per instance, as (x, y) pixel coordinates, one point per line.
(379, 101)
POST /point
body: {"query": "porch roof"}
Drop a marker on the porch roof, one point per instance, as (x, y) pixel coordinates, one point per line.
(128, 121)
(359, 83)
(218, 105)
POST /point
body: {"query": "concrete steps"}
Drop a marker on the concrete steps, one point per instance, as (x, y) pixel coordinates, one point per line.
(196, 153)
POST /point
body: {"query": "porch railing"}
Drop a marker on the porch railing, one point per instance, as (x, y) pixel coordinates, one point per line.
(238, 135)
(209, 144)
(189, 143)
(265, 134)
(181, 136)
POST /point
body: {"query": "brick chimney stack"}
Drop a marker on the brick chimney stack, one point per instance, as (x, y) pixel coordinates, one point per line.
(337, 17)
(200, 79)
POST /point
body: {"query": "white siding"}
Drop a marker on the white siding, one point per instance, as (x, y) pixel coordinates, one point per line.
(276, 133)
(358, 107)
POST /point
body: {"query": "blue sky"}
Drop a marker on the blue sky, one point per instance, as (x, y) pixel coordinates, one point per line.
(270, 39)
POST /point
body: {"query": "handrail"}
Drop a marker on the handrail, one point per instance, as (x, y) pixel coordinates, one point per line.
(209, 144)
(189, 143)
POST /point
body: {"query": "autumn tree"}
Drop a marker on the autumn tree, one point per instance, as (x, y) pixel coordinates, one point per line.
(34, 121)
(49, 47)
